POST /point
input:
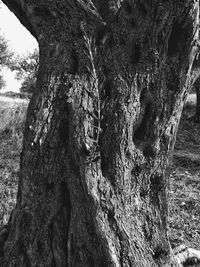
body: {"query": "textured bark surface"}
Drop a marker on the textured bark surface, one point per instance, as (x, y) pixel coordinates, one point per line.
(99, 132)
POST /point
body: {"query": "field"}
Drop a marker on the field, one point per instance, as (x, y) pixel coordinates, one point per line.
(12, 117)
(184, 191)
(184, 182)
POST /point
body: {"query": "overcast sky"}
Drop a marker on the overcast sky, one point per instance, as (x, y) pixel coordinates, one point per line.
(19, 39)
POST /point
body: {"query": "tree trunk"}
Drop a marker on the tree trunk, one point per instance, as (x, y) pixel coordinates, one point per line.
(100, 128)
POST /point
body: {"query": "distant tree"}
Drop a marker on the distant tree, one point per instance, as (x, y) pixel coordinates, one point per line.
(27, 68)
(5, 53)
(2, 82)
(5, 58)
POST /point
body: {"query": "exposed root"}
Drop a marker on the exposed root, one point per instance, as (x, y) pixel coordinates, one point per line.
(184, 254)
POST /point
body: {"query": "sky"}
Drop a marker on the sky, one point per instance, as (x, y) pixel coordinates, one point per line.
(20, 41)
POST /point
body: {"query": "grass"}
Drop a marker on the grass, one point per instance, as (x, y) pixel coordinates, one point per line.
(184, 191)
(12, 117)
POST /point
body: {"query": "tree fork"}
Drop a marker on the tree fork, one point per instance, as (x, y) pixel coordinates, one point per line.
(99, 132)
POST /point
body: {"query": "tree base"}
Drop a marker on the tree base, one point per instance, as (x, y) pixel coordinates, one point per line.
(183, 255)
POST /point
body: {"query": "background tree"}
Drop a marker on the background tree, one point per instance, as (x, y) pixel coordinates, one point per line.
(100, 130)
(2, 82)
(27, 68)
(5, 54)
(5, 58)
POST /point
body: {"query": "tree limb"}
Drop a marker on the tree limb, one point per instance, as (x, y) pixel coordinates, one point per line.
(20, 10)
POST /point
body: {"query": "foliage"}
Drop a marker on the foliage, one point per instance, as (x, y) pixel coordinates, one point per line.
(28, 85)
(5, 58)
(5, 54)
(27, 69)
(2, 82)
(26, 65)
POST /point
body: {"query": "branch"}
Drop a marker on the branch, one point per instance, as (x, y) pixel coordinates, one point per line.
(19, 8)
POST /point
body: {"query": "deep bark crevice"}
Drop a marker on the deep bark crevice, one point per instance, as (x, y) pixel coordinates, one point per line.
(177, 38)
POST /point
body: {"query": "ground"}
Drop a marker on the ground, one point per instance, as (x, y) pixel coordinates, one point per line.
(12, 117)
(184, 180)
(184, 183)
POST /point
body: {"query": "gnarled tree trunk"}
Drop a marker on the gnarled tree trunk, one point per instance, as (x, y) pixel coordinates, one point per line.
(100, 128)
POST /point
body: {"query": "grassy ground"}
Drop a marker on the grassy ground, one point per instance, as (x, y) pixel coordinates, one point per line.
(12, 116)
(184, 191)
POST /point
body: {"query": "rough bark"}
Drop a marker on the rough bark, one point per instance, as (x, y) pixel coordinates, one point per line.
(100, 128)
